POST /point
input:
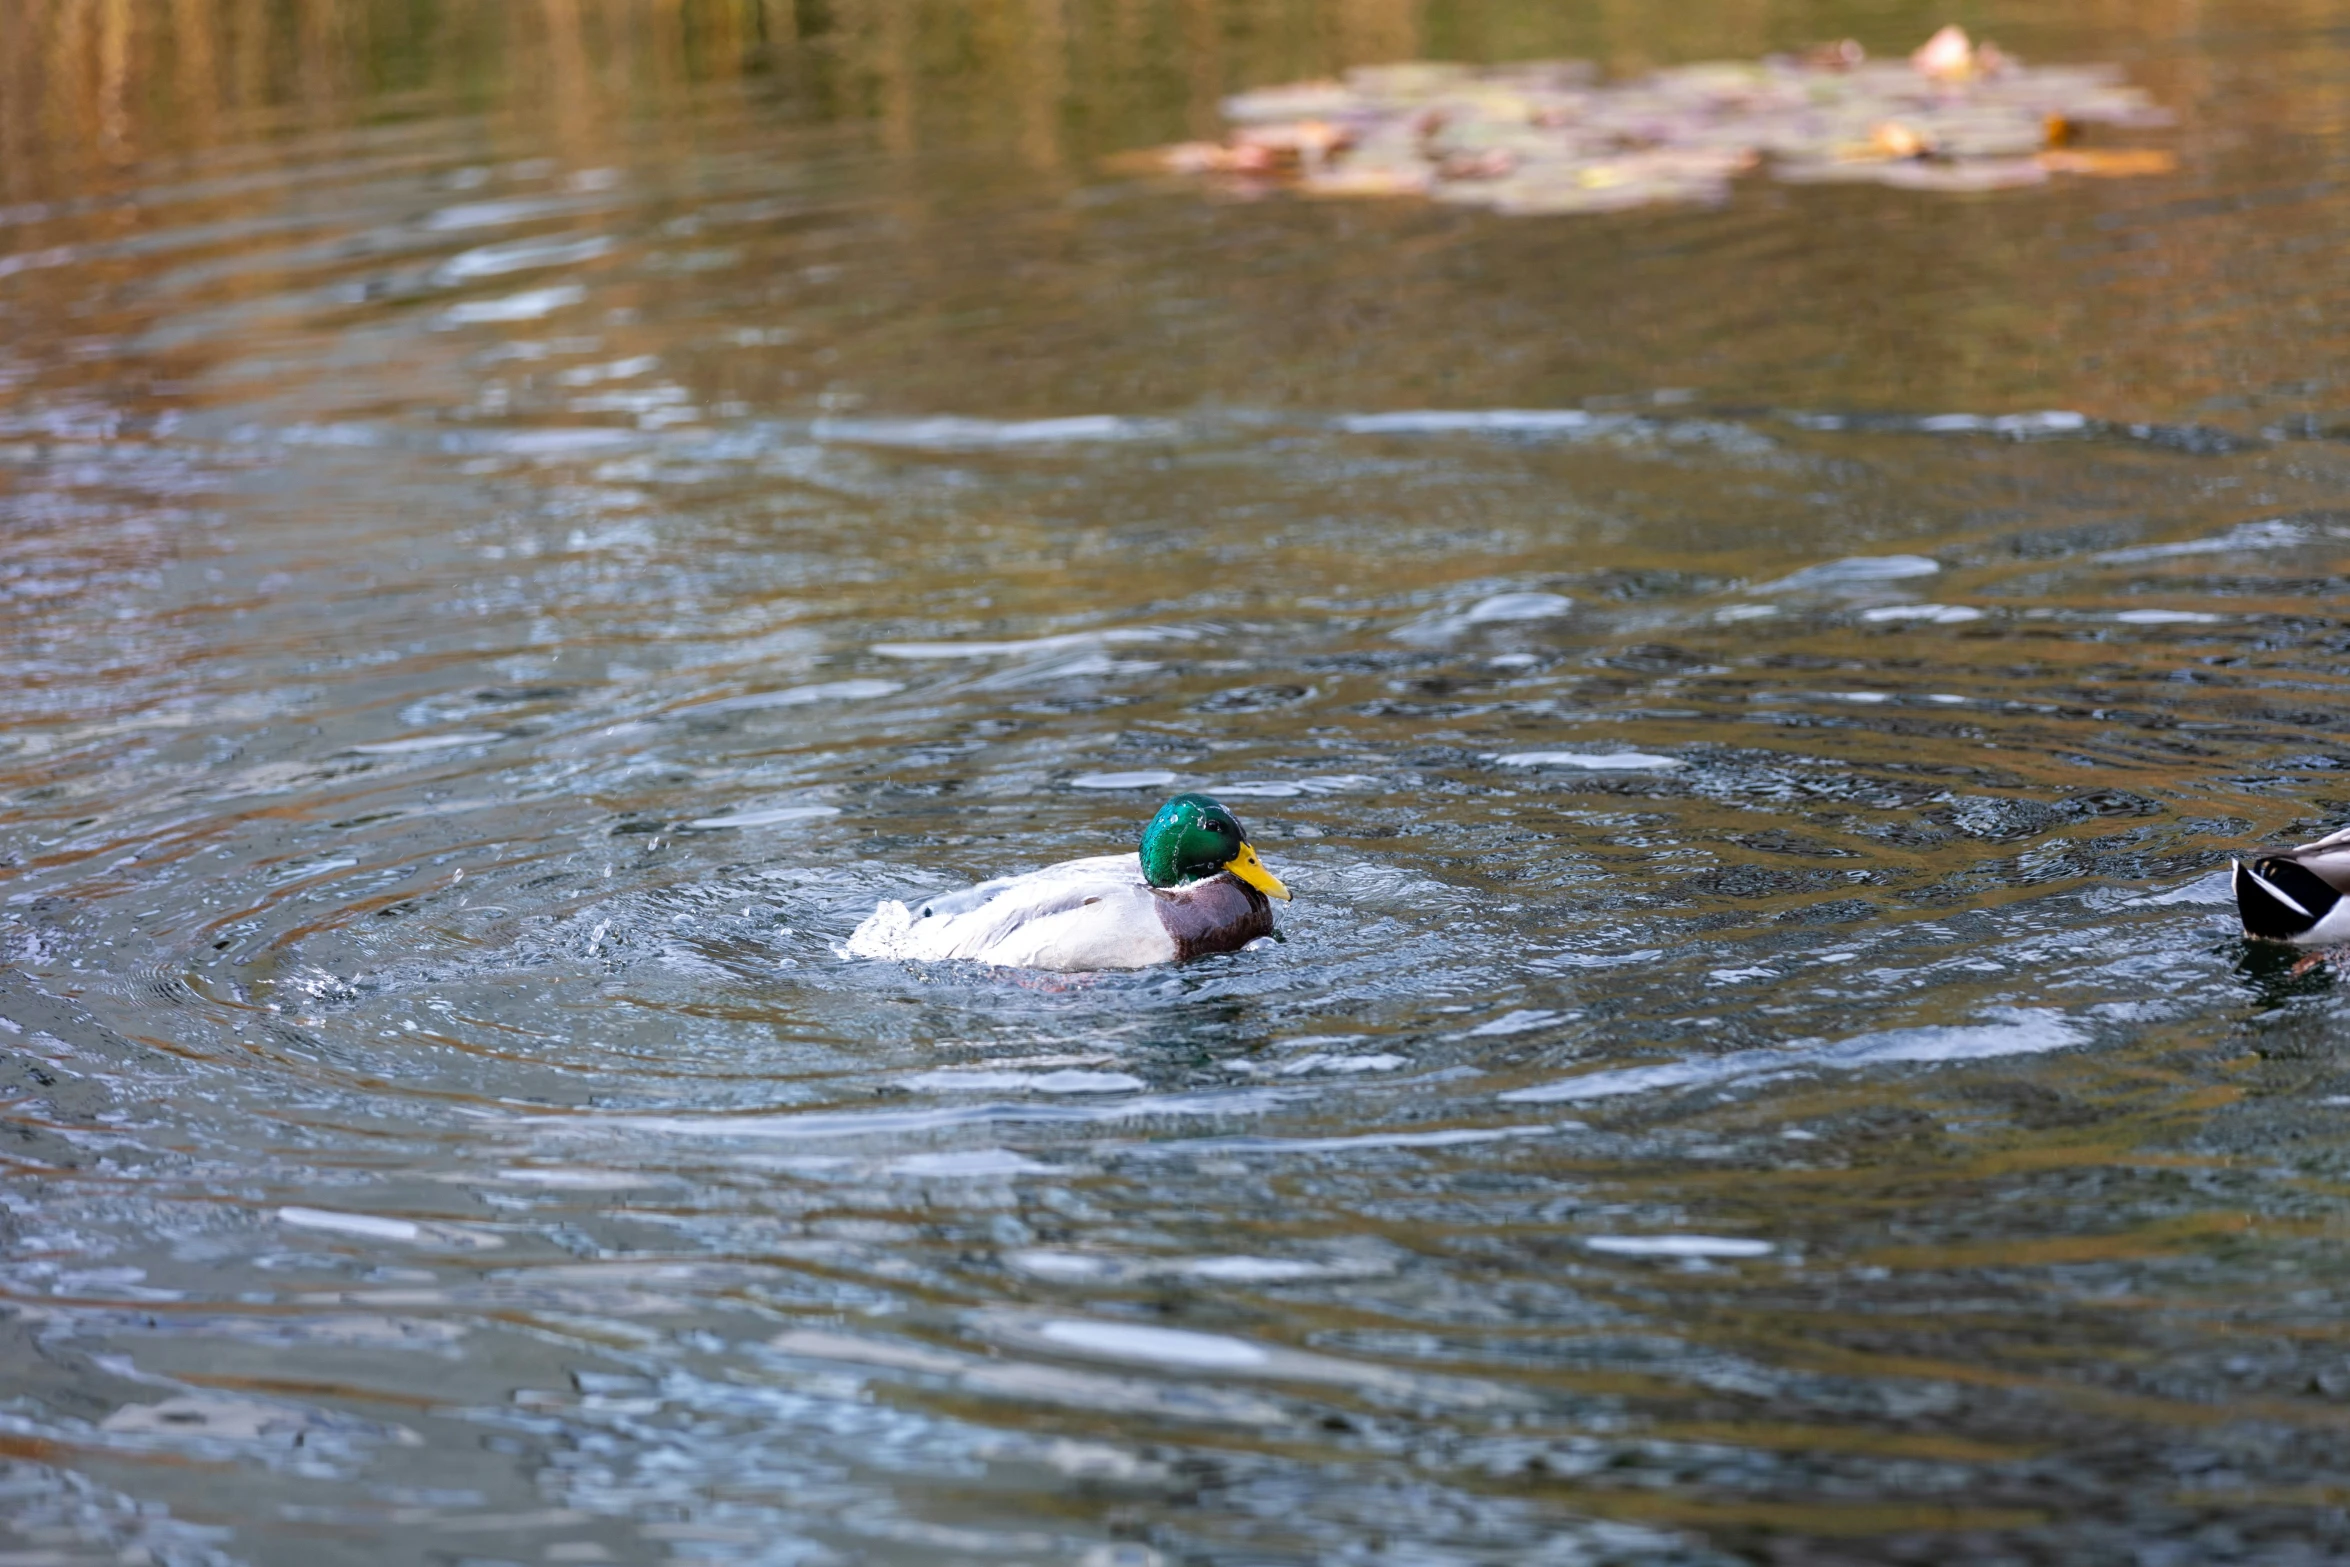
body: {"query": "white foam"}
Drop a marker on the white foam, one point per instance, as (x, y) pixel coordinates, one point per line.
(976, 1162)
(1599, 959)
(1606, 762)
(1096, 1267)
(950, 431)
(550, 443)
(2274, 534)
(2166, 617)
(2047, 421)
(1072, 639)
(578, 1180)
(342, 432)
(1447, 421)
(1496, 609)
(1344, 1066)
(1321, 1061)
(197, 1418)
(772, 818)
(1250, 1270)
(1931, 614)
(1505, 607)
(1070, 1080)
(415, 743)
(827, 1125)
(966, 1080)
(1678, 1245)
(1154, 1346)
(1853, 571)
(1147, 779)
(1078, 664)
(1611, 1085)
(1522, 1021)
(1450, 1137)
(493, 214)
(1046, 1263)
(529, 305)
(26, 261)
(801, 696)
(517, 256)
(366, 1225)
(611, 370)
(1290, 789)
(2022, 1032)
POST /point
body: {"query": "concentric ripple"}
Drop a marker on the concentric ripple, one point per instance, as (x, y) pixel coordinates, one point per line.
(1760, 1066)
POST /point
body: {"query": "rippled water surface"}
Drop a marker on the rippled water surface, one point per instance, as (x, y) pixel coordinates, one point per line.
(513, 538)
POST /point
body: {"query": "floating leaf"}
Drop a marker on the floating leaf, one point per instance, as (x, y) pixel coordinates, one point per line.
(1370, 179)
(1545, 136)
(2110, 163)
(1948, 56)
(1208, 157)
(1293, 141)
(1892, 139)
(1975, 174)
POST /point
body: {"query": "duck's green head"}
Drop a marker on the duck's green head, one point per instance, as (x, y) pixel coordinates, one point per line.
(1192, 838)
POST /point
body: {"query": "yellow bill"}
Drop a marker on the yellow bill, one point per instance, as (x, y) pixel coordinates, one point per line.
(1250, 869)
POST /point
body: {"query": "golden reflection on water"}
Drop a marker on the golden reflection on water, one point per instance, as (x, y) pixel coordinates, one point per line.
(89, 86)
(1967, 303)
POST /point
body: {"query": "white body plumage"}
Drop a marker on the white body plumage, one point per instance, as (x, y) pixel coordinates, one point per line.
(1094, 913)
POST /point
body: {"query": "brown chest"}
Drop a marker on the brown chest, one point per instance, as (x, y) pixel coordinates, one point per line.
(1219, 914)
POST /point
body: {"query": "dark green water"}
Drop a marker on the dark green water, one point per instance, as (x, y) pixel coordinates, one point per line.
(461, 468)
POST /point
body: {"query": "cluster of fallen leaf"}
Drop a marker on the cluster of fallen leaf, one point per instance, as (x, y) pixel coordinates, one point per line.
(1547, 136)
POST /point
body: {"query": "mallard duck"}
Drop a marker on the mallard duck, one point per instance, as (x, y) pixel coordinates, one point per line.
(1194, 887)
(2296, 895)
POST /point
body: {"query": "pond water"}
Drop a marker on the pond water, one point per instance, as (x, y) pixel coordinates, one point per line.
(518, 526)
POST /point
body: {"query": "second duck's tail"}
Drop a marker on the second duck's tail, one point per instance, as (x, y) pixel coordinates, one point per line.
(2278, 900)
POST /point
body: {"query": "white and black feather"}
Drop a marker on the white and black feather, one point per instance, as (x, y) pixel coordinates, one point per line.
(2297, 895)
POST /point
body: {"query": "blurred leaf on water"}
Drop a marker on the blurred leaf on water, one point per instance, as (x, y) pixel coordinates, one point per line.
(1546, 137)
